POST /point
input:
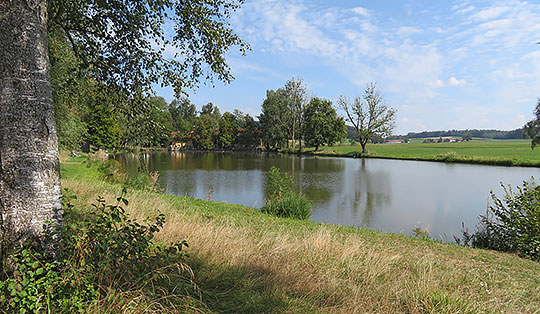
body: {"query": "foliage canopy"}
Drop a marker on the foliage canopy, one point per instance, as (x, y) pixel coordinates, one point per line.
(321, 124)
(512, 223)
(533, 127)
(128, 43)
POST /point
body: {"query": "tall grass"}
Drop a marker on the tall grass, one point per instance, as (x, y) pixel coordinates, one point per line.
(245, 262)
(292, 205)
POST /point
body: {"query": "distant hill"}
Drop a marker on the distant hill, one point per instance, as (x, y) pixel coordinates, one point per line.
(494, 134)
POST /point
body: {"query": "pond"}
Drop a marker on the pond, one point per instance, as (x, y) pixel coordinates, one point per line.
(379, 194)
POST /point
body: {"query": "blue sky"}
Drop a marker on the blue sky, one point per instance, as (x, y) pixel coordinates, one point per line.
(441, 64)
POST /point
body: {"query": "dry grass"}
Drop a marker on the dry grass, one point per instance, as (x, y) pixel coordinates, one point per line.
(241, 256)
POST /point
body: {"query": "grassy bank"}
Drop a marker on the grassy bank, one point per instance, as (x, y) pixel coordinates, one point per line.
(247, 262)
(489, 152)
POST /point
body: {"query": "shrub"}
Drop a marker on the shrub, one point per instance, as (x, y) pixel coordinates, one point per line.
(512, 224)
(281, 200)
(360, 154)
(105, 256)
(293, 205)
(143, 181)
(277, 184)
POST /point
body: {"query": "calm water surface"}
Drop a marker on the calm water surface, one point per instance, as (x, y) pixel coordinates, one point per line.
(385, 195)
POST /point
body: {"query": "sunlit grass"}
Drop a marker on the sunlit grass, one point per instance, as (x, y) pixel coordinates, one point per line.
(500, 152)
(248, 262)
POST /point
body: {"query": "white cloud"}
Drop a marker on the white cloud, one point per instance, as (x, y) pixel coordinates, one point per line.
(254, 71)
(360, 11)
(466, 10)
(509, 25)
(288, 26)
(487, 39)
(408, 30)
(439, 30)
(489, 13)
(346, 39)
(455, 82)
(436, 83)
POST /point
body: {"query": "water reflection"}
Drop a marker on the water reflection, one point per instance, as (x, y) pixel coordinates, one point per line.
(386, 195)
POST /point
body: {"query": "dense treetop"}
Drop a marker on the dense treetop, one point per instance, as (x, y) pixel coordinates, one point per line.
(127, 43)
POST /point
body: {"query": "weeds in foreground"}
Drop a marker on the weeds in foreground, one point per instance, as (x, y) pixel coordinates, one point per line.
(108, 261)
(112, 171)
(512, 224)
(421, 233)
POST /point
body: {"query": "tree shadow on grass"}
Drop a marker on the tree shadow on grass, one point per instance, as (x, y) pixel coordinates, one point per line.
(232, 289)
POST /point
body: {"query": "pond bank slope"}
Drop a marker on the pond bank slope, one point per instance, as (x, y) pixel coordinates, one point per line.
(248, 262)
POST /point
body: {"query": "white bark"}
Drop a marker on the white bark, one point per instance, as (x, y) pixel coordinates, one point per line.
(29, 167)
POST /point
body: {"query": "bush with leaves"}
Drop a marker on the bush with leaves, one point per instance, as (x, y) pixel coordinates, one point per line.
(281, 200)
(512, 224)
(277, 184)
(105, 254)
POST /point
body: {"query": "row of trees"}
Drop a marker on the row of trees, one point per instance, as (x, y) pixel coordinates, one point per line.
(495, 134)
(290, 116)
(154, 123)
(97, 113)
(212, 130)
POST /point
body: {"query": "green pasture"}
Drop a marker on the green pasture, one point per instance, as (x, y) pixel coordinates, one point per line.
(484, 151)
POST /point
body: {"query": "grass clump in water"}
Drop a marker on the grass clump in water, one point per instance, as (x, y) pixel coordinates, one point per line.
(291, 205)
(282, 201)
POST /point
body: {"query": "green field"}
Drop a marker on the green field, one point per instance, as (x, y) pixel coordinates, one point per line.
(244, 261)
(496, 152)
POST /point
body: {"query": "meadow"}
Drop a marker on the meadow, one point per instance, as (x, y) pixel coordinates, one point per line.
(480, 151)
(244, 261)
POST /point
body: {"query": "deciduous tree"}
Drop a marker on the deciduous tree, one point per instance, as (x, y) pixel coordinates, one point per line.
(369, 115)
(203, 135)
(121, 43)
(274, 119)
(103, 127)
(184, 115)
(296, 100)
(249, 132)
(228, 130)
(532, 128)
(321, 124)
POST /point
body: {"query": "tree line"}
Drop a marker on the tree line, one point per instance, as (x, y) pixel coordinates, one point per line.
(290, 119)
(495, 134)
(90, 111)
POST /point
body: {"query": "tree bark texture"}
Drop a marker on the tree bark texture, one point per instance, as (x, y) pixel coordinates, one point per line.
(29, 166)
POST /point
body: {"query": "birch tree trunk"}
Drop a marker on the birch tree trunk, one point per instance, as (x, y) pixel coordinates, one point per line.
(29, 167)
